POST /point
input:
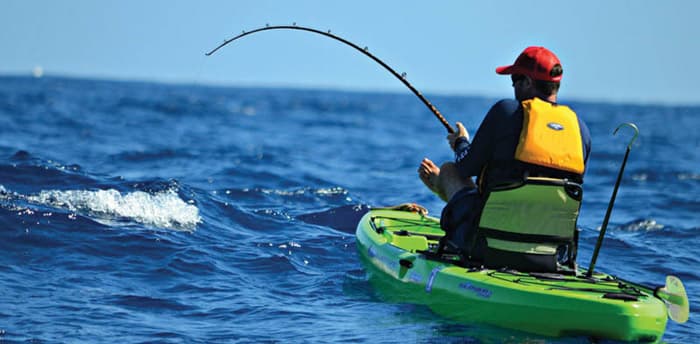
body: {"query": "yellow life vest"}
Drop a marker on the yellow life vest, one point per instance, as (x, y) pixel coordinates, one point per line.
(550, 137)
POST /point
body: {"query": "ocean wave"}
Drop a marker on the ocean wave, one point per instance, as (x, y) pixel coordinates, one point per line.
(333, 191)
(164, 209)
(688, 176)
(95, 172)
(642, 225)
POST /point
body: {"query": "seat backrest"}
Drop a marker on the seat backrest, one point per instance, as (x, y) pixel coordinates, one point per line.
(531, 226)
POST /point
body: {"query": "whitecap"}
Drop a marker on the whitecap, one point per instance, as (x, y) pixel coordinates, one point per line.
(688, 176)
(643, 225)
(304, 191)
(164, 209)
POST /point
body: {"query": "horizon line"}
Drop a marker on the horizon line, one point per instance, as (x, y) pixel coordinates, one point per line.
(335, 88)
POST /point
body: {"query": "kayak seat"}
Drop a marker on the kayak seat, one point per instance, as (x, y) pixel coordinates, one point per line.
(531, 226)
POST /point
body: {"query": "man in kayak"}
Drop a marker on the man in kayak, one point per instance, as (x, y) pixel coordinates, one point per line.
(502, 151)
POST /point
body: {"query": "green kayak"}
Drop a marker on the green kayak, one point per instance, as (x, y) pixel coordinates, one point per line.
(398, 249)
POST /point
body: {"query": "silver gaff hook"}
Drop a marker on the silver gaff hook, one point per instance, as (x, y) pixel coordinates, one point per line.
(599, 243)
(636, 132)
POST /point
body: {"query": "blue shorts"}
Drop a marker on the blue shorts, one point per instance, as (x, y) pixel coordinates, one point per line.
(460, 220)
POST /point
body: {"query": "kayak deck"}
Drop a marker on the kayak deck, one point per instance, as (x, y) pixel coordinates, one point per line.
(398, 248)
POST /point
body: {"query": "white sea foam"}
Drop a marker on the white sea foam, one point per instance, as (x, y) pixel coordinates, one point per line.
(163, 209)
(644, 225)
(298, 192)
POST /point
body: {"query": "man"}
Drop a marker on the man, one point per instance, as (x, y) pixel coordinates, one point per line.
(502, 151)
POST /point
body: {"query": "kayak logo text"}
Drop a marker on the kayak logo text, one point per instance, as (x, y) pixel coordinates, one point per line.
(481, 292)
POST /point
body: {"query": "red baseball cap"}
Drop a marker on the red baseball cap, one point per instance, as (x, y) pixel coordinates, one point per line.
(535, 62)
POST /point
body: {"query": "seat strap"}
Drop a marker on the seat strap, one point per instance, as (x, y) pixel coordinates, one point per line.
(521, 237)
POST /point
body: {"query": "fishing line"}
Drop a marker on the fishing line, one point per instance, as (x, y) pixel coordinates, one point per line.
(365, 51)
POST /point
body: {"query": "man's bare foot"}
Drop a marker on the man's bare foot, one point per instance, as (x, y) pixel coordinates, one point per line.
(412, 207)
(429, 173)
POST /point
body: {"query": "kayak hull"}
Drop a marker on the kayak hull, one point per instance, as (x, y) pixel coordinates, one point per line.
(392, 245)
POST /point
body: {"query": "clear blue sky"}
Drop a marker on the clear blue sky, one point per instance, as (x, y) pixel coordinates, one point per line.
(626, 51)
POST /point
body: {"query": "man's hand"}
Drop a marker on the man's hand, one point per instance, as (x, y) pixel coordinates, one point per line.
(461, 132)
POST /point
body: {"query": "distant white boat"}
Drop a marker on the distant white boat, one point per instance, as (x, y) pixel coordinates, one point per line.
(38, 72)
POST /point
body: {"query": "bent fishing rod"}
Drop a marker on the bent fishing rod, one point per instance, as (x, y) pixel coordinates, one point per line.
(365, 51)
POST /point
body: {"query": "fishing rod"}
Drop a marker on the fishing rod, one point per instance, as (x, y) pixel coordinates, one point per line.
(365, 50)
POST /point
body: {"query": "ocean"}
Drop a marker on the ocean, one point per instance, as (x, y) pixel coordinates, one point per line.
(147, 212)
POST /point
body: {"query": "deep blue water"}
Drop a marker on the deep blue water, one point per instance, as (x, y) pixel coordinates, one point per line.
(134, 212)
